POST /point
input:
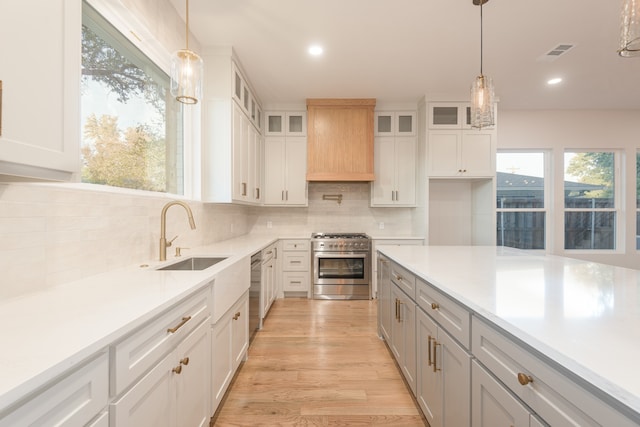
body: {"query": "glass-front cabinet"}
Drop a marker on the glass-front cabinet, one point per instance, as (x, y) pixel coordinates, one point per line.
(280, 123)
(388, 123)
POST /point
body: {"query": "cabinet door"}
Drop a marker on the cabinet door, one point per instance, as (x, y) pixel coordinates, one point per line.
(274, 164)
(384, 298)
(296, 123)
(443, 148)
(403, 335)
(40, 129)
(275, 123)
(447, 115)
(383, 188)
(240, 155)
(405, 152)
(492, 404)
(296, 170)
(383, 123)
(222, 361)
(453, 364)
(193, 384)
(150, 402)
(405, 123)
(240, 331)
(255, 165)
(429, 390)
(477, 155)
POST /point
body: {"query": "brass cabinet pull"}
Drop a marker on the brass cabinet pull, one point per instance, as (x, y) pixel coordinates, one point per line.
(524, 379)
(236, 316)
(400, 310)
(435, 305)
(435, 355)
(396, 308)
(184, 361)
(177, 369)
(179, 325)
(429, 350)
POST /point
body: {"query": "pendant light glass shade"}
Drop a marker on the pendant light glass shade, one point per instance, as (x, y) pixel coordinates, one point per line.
(187, 70)
(482, 94)
(482, 102)
(630, 29)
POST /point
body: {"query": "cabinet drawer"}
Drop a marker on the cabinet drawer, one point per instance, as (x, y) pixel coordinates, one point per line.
(295, 245)
(451, 316)
(292, 281)
(72, 401)
(404, 279)
(551, 394)
(295, 261)
(137, 353)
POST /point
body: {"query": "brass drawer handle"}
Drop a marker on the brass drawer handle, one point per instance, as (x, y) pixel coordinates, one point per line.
(435, 305)
(179, 325)
(429, 350)
(524, 379)
(184, 361)
(177, 369)
(435, 355)
(236, 316)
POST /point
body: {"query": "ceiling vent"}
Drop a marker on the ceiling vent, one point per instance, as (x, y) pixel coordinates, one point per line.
(556, 52)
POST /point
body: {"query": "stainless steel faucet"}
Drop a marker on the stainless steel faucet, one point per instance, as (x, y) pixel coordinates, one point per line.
(163, 226)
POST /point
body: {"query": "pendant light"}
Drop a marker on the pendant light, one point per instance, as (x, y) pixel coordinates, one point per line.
(186, 72)
(630, 29)
(482, 97)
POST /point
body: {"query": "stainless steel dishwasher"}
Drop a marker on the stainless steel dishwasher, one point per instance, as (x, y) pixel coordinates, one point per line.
(254, 294)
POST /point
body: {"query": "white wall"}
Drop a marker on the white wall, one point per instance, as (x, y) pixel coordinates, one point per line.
(559, 130)
(57, 233)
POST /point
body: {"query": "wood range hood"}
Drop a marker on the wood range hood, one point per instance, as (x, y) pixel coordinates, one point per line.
(340, 139)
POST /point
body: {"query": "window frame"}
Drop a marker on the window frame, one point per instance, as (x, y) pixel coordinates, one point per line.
(548, 218)
(618, 202)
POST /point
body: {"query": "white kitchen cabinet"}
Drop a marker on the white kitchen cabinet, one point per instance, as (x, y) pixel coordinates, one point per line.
(394, 123)
(232, 134)
(384, 298)
(295, 265)
(289, 123)
(403, 334)
(285, 171)
(493, 405)
(175, 392)
(551, 394)
(466, 154)
(449, 115)
(39, 124)
(74, 400)
(395, 171)
(268, 285)
(229, 344)
(443, 375)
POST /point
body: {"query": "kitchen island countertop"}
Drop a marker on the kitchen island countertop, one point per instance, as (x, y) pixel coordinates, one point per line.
(582, 316)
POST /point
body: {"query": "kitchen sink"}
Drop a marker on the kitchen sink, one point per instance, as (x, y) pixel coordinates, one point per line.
(193, 263)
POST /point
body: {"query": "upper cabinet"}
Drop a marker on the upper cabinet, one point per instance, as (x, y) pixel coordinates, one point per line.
(40, 107)
(340, 139)
(280, 123)
(454, 149)
(395, 123)
(232, 141)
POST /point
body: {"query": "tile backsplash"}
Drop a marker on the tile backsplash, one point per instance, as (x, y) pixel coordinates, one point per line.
(56, 233)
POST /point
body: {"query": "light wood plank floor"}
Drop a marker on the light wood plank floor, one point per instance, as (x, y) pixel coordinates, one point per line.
(319, 363)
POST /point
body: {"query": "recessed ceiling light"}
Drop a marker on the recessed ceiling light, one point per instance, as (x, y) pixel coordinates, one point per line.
(554, 81)
(315, 50)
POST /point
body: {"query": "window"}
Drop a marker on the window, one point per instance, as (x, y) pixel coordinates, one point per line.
(589, 200)
(520, 189)
(131, 126)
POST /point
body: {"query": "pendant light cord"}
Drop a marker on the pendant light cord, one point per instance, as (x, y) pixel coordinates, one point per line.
(481, 44)
(187, 27)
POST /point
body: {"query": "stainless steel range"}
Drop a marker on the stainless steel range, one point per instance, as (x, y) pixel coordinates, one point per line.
(341, 265)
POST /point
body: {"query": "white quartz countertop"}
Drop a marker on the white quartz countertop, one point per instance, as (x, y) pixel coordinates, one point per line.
(581, 315)
(45, 333)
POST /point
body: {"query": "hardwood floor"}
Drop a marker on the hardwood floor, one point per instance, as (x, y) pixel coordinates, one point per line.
(319, 363)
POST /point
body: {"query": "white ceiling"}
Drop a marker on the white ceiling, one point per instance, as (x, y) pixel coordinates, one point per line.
(400, 50)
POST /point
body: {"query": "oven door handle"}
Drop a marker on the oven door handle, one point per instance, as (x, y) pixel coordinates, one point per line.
(341, 254)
